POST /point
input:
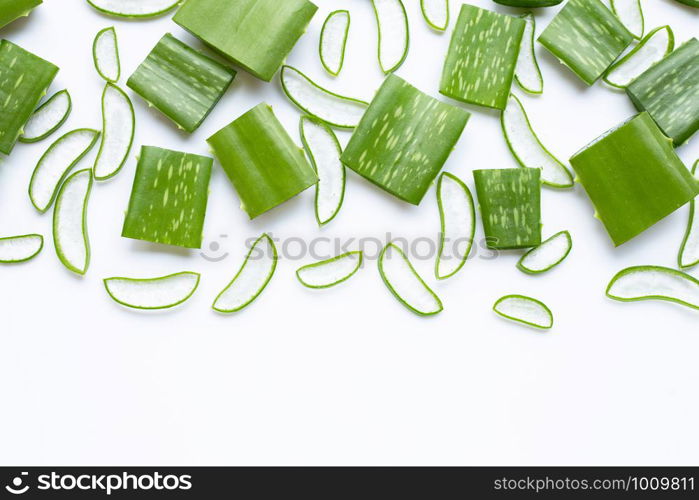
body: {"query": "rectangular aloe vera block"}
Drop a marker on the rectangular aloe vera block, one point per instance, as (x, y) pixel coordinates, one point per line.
(257, 35)
(263, 163)
(510, 204)
(480, 64)
(404, 139)
(24, 79)
(587, 37)
(633, 177)
(13, 9)
(169, 197)
(181, 82)
(669, 91)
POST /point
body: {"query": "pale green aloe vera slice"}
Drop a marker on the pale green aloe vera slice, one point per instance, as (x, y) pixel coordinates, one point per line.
(689, 251)
(457, 215)
(652, 49)
(528, 4)
(630, 14)
(436, 13)
(16, 249)
(105, 54)
(654, 283)
(527, 72)
(48, 117)
(548, 255)
(333, 41)
(153, 293)
(70, 236)
(118, 128)
(331, 272)
(134, 8)
(394, 33)
(525, 310)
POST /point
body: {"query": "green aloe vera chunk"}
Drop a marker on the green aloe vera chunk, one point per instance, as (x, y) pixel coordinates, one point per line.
(168, 198)
(669, 91)
(528, 4)
(404, 139)
(181, 82)
(587, 37)
(480, 64)
(13, 9)
(510, 203)
(633, 177)
(24, 79)
(257, 35)
(691, 3)
(261, 160)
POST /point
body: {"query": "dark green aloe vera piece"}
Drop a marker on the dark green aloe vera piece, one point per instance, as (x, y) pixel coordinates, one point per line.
(13, 9)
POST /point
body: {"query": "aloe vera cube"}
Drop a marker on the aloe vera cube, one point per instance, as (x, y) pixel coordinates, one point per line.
(633, 177)
(587, 37)
(13, 9)
(480, 64)
(257, 35)
(261, 160)
(510, 204)
(669, 91)
(24, 79)
(168, 198)
(404, 139)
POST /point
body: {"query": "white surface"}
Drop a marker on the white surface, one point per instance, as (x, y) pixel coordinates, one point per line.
(346, 375)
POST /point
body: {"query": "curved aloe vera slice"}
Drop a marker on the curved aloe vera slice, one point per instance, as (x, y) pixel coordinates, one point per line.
(394, 34)
(689, 251)
(155, 293)
(405, 283)
(653, 48)
(457, 214)
(70, 222)
(630, 14)
(105, 54)
(16, 249)
(527, 71)
(118, 126)
(525, 310)
(330, 272)
(48, 117)
(334, 109)
(436, 13)
(547, 255)
(654, 283)
(252, 278)
(527, 148)
(333, 41)
(529, 4)
(133, 8)
(54, 165)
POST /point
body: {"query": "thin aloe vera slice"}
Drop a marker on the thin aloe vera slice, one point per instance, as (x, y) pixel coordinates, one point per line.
(527, 148)
(436, 13)
(528, 4)
(56, 163)
(689, 251)
(331, 272)
(527, 72)
(16, 249)
(405, 283)
(48, 117)
(70, 236)
(118, 128)
(252, 278)
(548, 255)
(14, 9)
(134, 8)
(333, 41)
(334, 109)
(652, 49)
(654, 283)
(324, 150)
(153, 293)
(525, 310)
(630, 14)
(457, 215)
(394, 33)
(105, 55)
(691, 3)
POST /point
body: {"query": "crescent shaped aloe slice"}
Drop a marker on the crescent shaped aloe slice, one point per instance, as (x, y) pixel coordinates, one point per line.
(14, 9)
(331, 272)
(118, 128)
(133, 8)
(105, 55)
(525, 310)
(48, 117)
(548, 255)
(689, 251)
(333, 41)
(654, 283)
(630, 14)
(70, 236)
(457, 215)
(528, 4)
(16, 249)
(527, 72)
(436, 13)
(153, 293)
(394, 33)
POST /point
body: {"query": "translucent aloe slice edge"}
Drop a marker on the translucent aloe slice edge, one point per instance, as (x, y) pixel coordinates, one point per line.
(630, 14)
(333, 41)
(654, 283)
(133, 8)
(16, 249)
(548, 255)
(393, 33)
(525, 310)
(105, 54)
(457, 214)
(331, 272)
(153, 293)
(689, 250)
(70, 236)
(527, 71)
(653, 48)
(118, 128)
(436, 13)
(48, 117)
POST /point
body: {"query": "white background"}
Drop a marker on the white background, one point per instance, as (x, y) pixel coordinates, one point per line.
(347, 375)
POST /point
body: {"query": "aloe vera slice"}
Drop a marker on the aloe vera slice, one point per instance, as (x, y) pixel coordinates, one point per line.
(527, 148)
(324, 151)
(16, 249)
(48, 117)
(691, 3)
(548, 255)
(334, 109)
(134, 8)
(457, 215)
(405, 283)
(525, 310)
(153, 293)
(333, 41)
(436, 13)
(105, 55)
(689, 251)
(118, 127)
(528, 4)
(56, 162)
(654, 283)
(70, 236)
(527, 71)
(630, 14)
(653, 48)
(331, 272)
(14, 9)
(394, 33)
(252, 278)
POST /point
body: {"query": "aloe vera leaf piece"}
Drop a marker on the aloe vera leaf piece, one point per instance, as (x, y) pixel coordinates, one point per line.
(261, 160)
(405, 283)
(48, 117)
(404, 139)
(153, 293)
(630, 13)
(689, 251)
(691, 3)
(105, 55)
(331, 272)
(55, 164)
(252, 278)
(633, 177)
(528, 4)
(334, 109)
(587, 37)
(14, 9)
(16, 249)
(653, 48)
(264, 31)
(169, 198)
(324, 150)
(654, 283)
(510, 204)
(118, 128)
(70, 236)
(527, 72)
(394, 33)
(669, 91)
(527, 148)
(457, 215)
(436, 13)
(333, 41)
(525, 310)
(24, 79)
(548, 255)
(133, 8)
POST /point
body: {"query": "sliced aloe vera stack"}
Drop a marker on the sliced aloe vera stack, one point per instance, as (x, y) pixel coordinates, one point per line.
(118, 127)
(153, 293)
(654, 283)
(70, 222)
(457, 215)
(548, 255)
(56, 162)
(527, 72)
(252, 278)
(134, 8)
(689, 251)
(331, 272)
(14, 9)
(525, 310)
(333, 41)
(652, 49)
(48, 117)
(16, 249)
(105, 55)
(394, 33)
(630, 14)
(436, 13)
